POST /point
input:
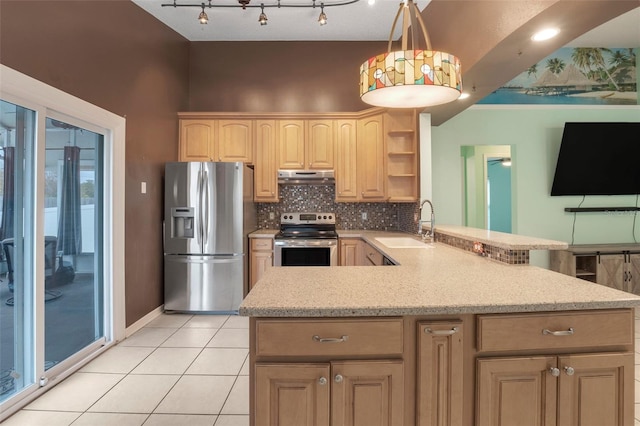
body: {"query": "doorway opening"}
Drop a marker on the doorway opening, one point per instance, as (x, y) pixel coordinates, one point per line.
(487, 188)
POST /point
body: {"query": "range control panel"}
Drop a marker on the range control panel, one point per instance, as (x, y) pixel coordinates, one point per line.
(308, 218)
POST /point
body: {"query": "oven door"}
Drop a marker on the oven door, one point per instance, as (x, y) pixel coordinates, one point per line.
(306, 252)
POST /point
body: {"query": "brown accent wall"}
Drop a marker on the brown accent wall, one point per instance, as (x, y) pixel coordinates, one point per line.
(114, 55)
(278, 76)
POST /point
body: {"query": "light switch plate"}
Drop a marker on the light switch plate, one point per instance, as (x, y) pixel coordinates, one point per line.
(143, 187)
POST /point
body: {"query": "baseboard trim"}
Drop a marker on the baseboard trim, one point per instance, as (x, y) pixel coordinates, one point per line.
(143, 321)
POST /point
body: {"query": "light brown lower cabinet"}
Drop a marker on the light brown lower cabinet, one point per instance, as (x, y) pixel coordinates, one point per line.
(439, 376)
(292, 395)
(573, 368)
(339, 393)
(576, 390)
(351, 251)
(261, 258)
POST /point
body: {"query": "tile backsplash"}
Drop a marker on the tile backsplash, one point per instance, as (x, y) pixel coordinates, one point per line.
(321, 198)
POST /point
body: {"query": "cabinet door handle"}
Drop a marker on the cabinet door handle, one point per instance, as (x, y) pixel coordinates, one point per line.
(451, 332)
(569, 370)
(625, 277)
(323, 380)
(338, 378)
(555, 372)
(340, 339)
(568, 332)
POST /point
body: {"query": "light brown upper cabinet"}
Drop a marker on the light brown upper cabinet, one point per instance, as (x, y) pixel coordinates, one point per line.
(235, 141)
(305, 144)
(196, 140)
(346, 171)
(216, 140)
(374, 153)
(371, 158)
(265, 170)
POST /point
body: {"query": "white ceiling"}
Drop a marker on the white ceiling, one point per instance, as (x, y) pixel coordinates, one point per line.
(623, 31)
(354, 22)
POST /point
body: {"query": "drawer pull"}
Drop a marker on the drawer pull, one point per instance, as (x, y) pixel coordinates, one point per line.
(319, 339)
(568, 332)
(555, 372)
(451, 332)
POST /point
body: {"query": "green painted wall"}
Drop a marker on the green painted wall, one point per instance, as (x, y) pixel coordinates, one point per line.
(534, 134)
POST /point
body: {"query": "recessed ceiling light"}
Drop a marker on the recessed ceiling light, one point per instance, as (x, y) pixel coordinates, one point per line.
(372, 2)
(463, 96)
(545, 34)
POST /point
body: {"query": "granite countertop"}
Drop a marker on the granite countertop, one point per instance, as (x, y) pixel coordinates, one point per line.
(263, 233)
(437, 280)
(500, 239)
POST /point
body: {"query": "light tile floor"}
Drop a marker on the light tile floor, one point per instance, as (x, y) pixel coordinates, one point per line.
(178, 370)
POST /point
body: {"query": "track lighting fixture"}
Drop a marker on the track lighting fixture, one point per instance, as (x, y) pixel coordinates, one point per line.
(203, 18)
(322, 19)
(262, 19)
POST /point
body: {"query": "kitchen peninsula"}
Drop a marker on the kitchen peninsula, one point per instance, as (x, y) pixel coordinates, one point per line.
(446, 337)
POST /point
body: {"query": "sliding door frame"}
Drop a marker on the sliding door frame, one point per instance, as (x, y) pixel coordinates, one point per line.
(46, 100)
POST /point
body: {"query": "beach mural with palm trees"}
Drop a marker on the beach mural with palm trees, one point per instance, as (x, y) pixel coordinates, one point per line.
(581, 75)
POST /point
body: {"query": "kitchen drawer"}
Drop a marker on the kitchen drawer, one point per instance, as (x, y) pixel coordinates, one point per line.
(329, 337)
(373, 256)
(261, 244)
(555, 330)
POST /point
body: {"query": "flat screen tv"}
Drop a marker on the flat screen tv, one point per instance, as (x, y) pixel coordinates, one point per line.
(598, 159)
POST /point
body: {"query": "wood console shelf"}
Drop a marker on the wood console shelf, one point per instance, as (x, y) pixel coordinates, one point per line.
(600, 209)
(612, 265)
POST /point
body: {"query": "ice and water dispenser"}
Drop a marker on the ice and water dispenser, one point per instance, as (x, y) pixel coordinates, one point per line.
(182, 222)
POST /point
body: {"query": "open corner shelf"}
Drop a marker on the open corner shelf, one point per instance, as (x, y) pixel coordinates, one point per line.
(400, 153)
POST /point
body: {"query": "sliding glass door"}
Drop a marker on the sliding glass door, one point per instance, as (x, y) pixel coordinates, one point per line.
(55, 308)
(17, 295)
(73, 239)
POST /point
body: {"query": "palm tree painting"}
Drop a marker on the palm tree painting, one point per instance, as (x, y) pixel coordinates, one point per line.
(588, 57)
(555, 65)
(583, 75)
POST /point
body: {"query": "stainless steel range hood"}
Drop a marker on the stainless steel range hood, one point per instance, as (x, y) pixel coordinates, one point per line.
(306, 177)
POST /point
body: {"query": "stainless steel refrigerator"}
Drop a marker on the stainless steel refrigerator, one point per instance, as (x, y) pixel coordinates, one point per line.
(209, 211)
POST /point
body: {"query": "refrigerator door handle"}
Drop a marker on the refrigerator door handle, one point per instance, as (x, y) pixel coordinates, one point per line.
(205, 234)
(199, 207)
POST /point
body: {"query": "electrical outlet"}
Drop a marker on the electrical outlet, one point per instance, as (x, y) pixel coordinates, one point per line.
(272, 215)
(364, 215)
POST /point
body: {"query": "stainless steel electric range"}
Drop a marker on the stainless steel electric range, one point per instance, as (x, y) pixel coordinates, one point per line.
(306, 239)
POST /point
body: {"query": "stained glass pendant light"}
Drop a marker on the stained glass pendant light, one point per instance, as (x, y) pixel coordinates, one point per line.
(410, 78)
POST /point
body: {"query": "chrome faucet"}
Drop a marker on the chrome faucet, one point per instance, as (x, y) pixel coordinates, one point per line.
(430, 233)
